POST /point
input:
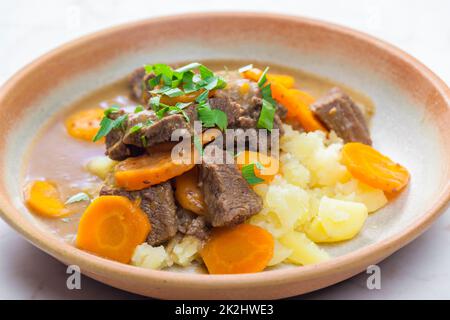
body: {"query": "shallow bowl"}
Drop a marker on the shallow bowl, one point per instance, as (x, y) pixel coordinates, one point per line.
(412, 125)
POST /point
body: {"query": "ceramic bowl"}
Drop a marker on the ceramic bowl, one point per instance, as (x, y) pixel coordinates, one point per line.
(412, 125)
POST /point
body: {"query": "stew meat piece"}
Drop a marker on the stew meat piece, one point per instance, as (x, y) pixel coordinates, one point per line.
(338, 112)
(159, 204)
(228, 197)
(191, 224)
(123, 142)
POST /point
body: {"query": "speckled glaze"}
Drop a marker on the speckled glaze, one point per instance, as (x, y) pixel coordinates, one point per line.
(412, 125)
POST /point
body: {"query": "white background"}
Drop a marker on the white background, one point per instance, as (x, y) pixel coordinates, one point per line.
(421, 27)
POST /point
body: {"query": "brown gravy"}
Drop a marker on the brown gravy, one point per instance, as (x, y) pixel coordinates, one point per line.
(57, 157)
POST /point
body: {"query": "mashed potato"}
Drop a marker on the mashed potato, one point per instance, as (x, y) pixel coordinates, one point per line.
(313, 199)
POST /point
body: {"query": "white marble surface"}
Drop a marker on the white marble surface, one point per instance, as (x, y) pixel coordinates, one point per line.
(421, 27)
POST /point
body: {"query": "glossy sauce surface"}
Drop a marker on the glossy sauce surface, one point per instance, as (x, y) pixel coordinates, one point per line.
(58, 157)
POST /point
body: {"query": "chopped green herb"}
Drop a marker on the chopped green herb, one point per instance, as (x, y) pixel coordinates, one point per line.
(144, 141)
(205, 73)
(198, 144)
(245, 68)
(77, 198)
(138, 109)
(263, 78)
(112, 109)
(265, 120)
(188, 67)
(202, 96)
(248, 172)
(107, 124)
(136, 128)
(212, 117)
(174, 92)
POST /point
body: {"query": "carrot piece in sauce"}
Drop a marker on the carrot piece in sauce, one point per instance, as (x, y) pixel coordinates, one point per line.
(112, 227)
(373, 168)
(244, 248)
(84, 124)
(42, 197)
(141, 172)
(188, 193)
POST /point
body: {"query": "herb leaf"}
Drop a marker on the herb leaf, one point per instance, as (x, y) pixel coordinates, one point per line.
(107, 124)
(265, 120)
(248, 172)
(212, 117)
(245, 68)
(138, 109)
(82, 196)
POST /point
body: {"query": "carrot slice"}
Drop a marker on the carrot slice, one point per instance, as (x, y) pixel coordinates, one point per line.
(267, 167)
(42, 197)
(254, 74)
(112, 227)
(144, 171)
(283, 79)
(296, 105)
(244, 248)
(188, 193)
(84, 124)
(298, 110)
(374, 169)
(305, 97)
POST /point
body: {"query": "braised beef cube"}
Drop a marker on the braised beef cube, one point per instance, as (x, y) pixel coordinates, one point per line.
(139, 87)
(228, 196)
(143, 130)
(338, 112)
(159, 130)
(191, 224)
(116, 149)
(159, 204)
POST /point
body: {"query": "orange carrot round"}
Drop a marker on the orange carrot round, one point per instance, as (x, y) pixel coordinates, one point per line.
(244, 248)
(42, 197)
(84, 124)
(144, 171)
(267, 167)
(374, 169)
(188, 193)
(283, 79)
(112, 227)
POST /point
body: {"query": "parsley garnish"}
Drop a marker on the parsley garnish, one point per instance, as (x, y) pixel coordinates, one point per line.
(77, 198)
(138, 109)
(136, 128)
(107, 124)
(245, 68)
(248, 172)
(212, 117)
(265, 120)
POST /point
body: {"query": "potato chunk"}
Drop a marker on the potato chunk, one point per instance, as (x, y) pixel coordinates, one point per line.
(337, 220)
(304, 251)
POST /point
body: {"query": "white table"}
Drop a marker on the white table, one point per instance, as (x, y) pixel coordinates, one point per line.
(422, 27)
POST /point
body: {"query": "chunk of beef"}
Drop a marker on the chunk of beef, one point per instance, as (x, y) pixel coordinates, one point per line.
(115, 148)
(138, 83)
(160, 130)
(228, 197)
(159, 204)
(191, 224)
(338, 112)
(125, 141)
